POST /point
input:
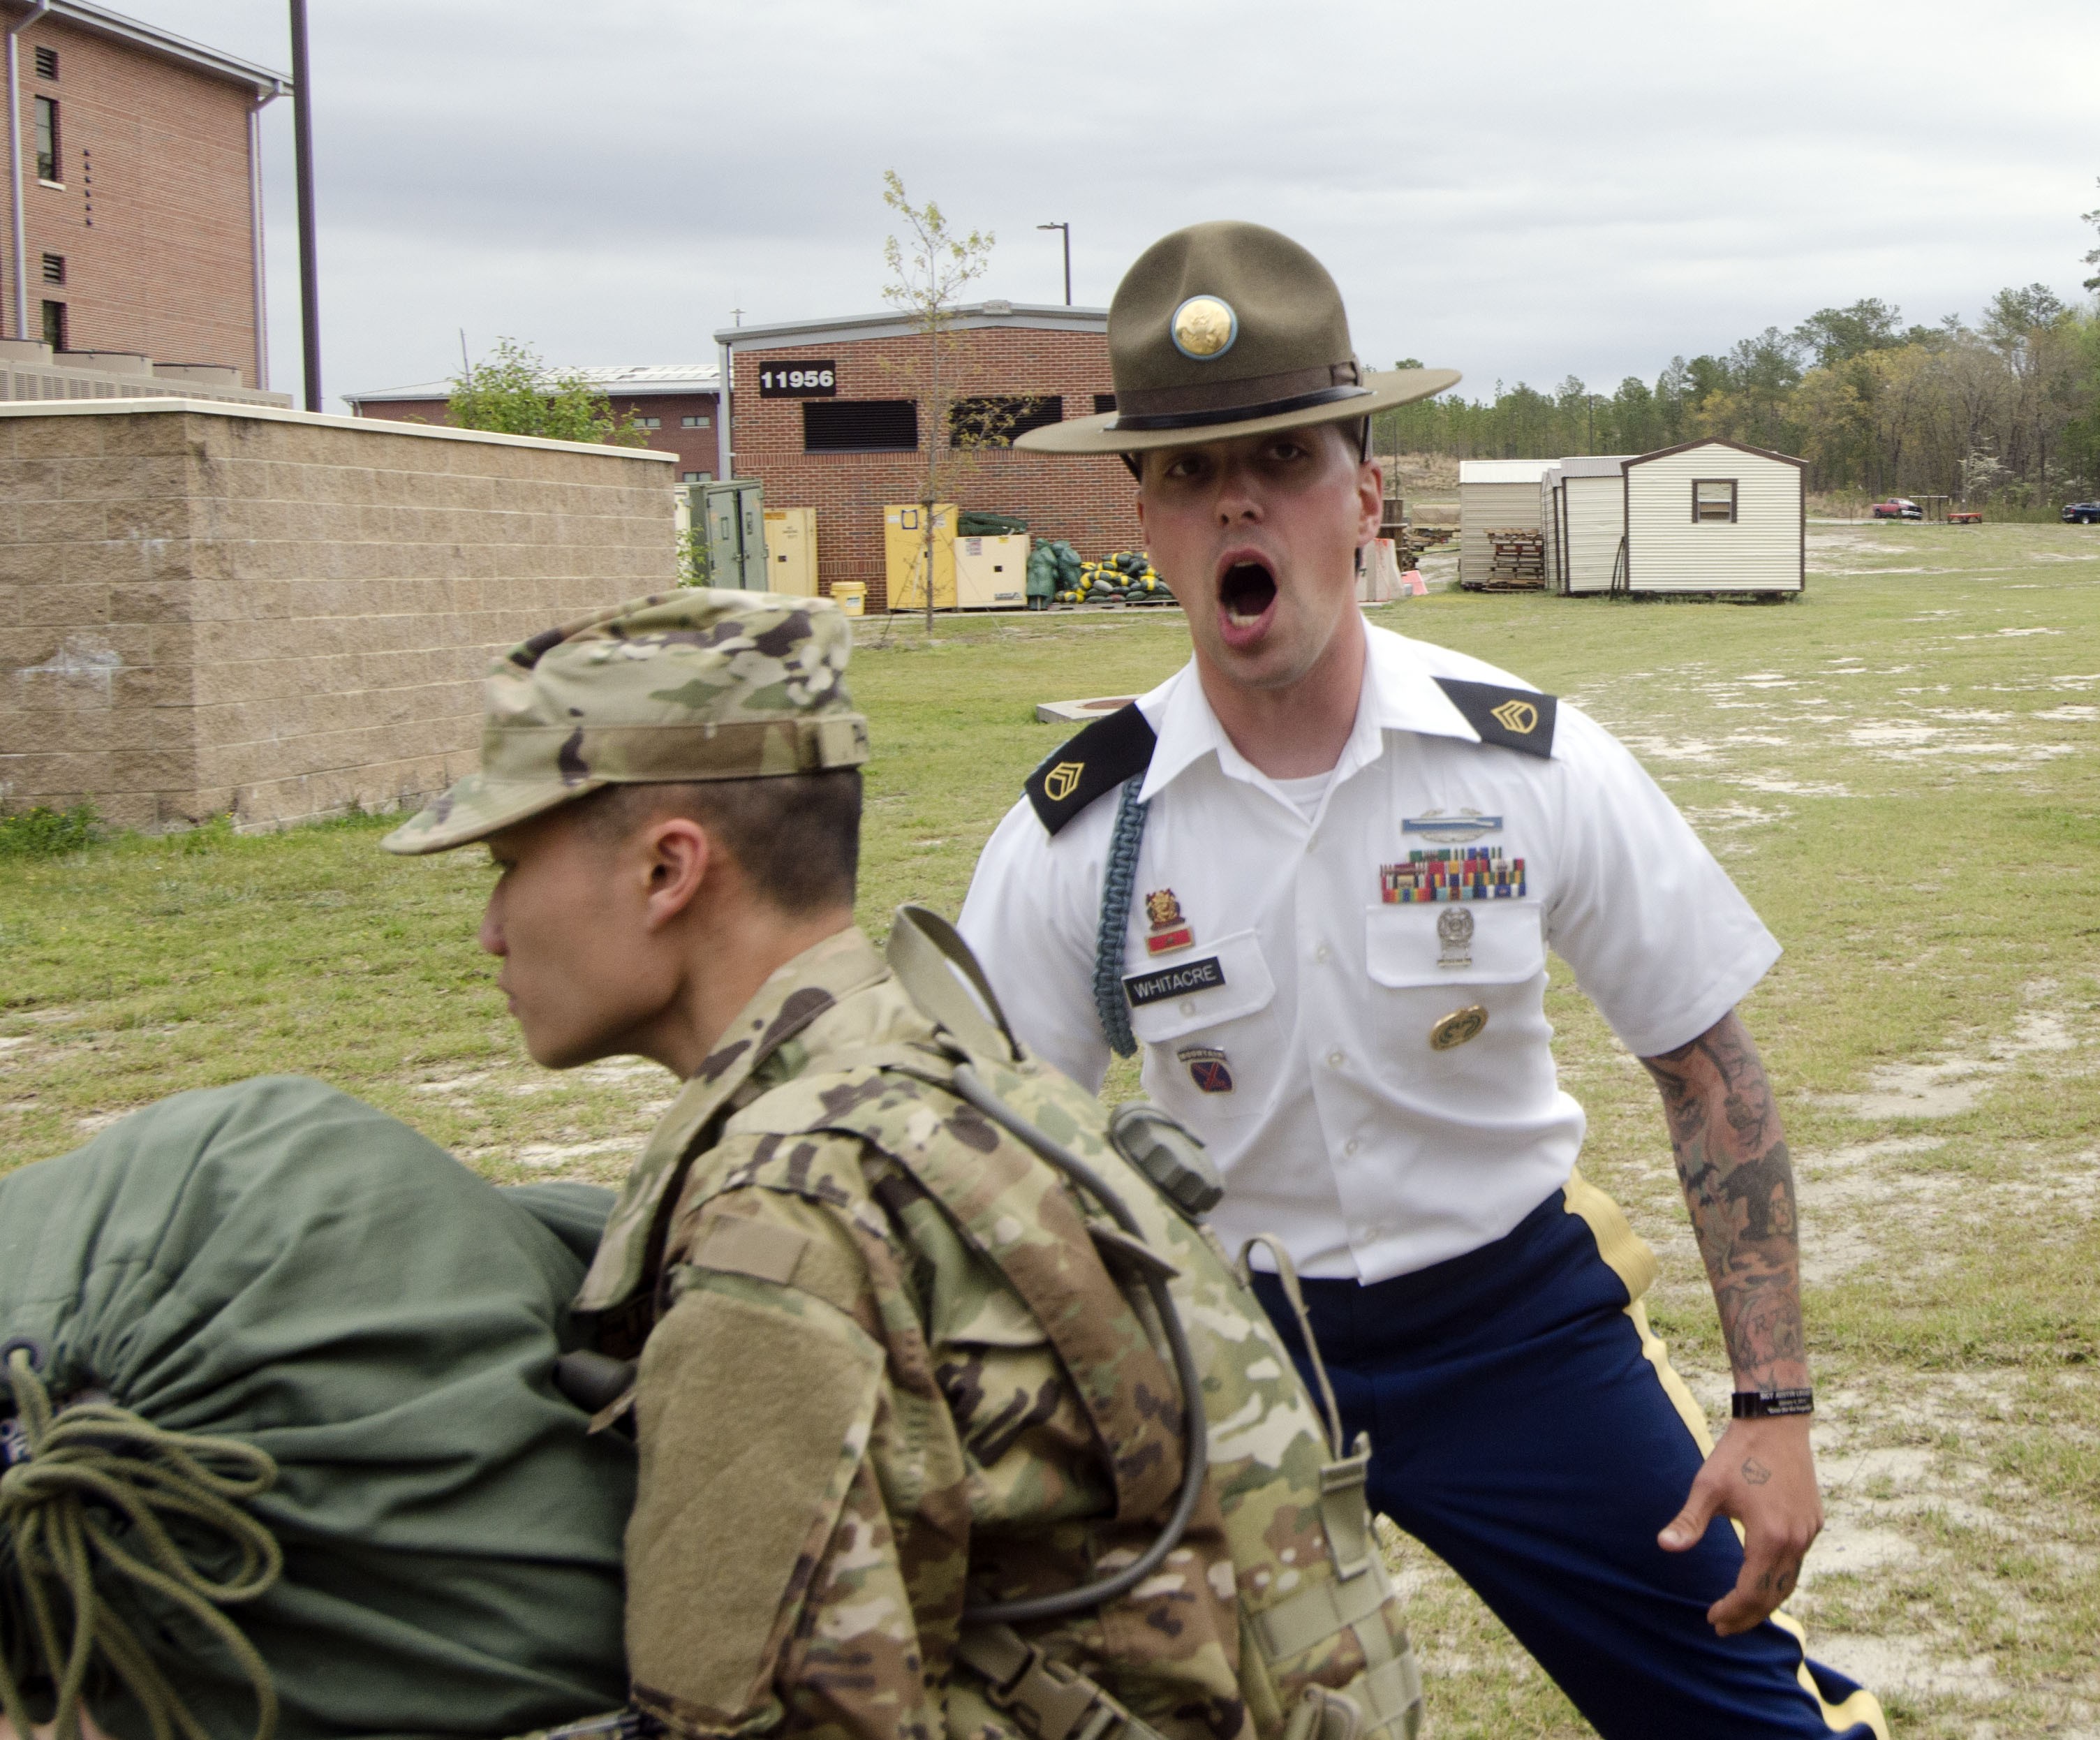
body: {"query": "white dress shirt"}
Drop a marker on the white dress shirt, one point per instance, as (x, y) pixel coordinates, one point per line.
(1305, 1063)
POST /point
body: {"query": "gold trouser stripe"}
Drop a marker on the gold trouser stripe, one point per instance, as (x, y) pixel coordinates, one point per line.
(1609, 1225)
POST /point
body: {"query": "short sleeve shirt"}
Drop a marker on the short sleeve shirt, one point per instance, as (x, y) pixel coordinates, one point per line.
(1287, 996)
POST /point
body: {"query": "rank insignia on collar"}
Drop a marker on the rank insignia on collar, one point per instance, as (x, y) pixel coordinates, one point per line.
(1208, 1068)
(1170, 930)
(1520, 719)
(1062, 780)
(1447, 829)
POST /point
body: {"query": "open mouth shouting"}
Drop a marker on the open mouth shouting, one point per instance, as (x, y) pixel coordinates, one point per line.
(1247, 597)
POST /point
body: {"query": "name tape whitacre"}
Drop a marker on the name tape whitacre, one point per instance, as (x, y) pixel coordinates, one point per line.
(1174, 982)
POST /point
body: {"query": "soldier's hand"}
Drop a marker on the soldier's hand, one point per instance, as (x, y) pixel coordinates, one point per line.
(1762, 1474)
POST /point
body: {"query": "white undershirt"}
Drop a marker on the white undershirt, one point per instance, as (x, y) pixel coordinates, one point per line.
(1306, 793)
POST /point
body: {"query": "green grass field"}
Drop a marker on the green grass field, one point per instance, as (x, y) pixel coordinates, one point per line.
(1899, 770)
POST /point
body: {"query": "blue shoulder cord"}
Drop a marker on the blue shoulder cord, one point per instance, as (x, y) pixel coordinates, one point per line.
(1118, 878)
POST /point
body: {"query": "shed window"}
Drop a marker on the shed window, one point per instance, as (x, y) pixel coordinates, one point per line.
(697, 422)
(994, 421)
(860, 425)
(1714, 499)
(47, 139)
(47, 63)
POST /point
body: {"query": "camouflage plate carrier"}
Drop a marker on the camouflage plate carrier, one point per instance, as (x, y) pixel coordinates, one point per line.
(1279, 1508)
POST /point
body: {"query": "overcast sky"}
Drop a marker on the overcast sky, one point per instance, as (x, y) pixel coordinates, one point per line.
(1516, 190)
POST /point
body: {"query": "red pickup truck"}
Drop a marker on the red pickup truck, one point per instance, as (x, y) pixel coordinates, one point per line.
(1897, 507)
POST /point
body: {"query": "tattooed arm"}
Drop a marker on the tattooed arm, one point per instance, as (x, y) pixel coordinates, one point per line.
(1738, 1182)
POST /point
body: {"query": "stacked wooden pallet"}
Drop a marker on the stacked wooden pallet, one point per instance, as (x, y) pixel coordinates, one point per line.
(1517, 563)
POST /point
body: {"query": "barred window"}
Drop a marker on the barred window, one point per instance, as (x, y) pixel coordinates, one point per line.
(994, 421)
(860, 425)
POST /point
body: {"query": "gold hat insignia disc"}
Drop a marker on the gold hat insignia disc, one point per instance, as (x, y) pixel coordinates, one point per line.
(1205, 327)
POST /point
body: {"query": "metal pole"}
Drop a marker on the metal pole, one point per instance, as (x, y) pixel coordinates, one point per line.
(14, 158)
(302, 148)
(1067, 229)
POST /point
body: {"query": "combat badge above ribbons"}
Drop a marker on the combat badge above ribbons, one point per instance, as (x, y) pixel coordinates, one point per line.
(1445, 828)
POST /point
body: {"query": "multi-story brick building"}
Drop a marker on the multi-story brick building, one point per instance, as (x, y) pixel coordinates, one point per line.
(833, 414)
(674, 402)
(137, 197)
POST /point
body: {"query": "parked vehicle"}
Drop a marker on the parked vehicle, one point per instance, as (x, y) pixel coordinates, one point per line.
(1897, 507)
(2082, 513)
(1964, 516)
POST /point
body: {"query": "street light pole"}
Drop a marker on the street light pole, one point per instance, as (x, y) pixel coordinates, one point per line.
(1067, 229)
(302, 153)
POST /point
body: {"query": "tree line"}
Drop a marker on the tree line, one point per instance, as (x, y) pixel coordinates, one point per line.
(2004, 409)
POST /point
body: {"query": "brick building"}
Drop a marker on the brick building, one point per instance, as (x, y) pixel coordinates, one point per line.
(137, 193)
(675, 402)
(832, 415)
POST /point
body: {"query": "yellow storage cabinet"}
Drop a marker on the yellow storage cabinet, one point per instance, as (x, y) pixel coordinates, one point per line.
(904, 553)
(790, 550)
(991, 573)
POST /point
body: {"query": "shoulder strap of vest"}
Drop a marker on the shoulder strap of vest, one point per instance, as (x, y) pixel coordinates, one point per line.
(1098, 760)
(1520, 719)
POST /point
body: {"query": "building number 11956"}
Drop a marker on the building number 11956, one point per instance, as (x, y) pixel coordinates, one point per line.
(801, 380)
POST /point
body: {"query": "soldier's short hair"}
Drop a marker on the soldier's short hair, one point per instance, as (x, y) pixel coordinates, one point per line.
(796, 836)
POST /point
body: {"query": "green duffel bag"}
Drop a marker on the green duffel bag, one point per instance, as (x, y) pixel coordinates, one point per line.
(281, 1445)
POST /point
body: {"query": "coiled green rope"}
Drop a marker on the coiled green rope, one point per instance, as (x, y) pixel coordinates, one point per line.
(80, 1465)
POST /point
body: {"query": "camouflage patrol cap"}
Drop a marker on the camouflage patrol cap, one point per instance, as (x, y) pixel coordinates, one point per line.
(691, 685)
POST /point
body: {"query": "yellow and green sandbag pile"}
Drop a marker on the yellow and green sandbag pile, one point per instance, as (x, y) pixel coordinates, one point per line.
(1127, 577)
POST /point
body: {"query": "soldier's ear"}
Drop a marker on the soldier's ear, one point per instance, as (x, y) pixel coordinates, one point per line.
(676, 854)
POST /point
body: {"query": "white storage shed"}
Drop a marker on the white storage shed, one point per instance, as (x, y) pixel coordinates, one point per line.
(1589, 521)
(1494, 495)
(1715, 516)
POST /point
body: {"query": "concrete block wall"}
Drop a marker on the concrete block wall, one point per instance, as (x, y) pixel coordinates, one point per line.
(205, 608)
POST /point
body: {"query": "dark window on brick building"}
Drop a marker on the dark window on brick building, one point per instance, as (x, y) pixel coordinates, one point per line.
(860, 425)
(47, 63)
(54, 268)
(1103, 402)
(47, 139)
(54, 326)
(994, 421)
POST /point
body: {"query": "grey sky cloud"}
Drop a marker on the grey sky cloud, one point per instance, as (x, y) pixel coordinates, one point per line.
(1519, 190)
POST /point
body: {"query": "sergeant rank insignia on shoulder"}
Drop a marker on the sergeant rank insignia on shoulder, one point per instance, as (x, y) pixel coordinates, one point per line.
(1520, 719)
(1104, 755)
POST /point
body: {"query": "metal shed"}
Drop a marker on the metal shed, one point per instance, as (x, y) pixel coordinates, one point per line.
(1494, 495)
(1589, 508)
(1715, 516)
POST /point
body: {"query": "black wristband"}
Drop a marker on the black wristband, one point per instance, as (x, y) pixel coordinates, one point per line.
(1771, 1404)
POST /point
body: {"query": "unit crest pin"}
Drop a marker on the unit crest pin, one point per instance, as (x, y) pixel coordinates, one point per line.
(1208, 1068)
(1454, 1029)
(1170, 929)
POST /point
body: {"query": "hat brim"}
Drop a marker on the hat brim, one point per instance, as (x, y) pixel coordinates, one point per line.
(1099, 435)
(477, 807)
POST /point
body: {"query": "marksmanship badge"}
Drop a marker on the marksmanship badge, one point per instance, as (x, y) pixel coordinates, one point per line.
(1204, 327)
(1062, 780)
(1208, 1068)
(1455, 931)
(1457, 1028)
(1170, 930)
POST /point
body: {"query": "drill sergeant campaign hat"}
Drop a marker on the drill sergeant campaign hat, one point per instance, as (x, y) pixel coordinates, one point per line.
(1228, 329)
(680, 685)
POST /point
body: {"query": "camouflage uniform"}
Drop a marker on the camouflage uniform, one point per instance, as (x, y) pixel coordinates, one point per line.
(885, 1366)
(846, 1406)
